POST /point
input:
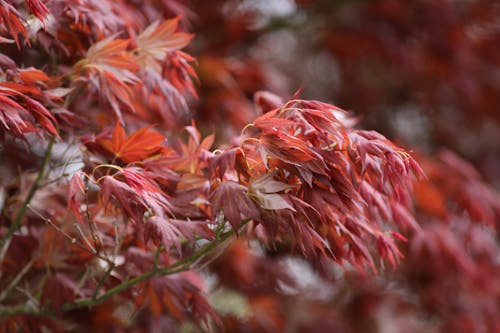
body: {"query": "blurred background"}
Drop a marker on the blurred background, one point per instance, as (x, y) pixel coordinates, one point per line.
(423, 73)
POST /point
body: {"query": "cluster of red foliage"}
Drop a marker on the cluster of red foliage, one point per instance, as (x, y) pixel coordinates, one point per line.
(117, 214)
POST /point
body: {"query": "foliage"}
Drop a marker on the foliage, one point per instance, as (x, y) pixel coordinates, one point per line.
(120, 211)
(416, 70)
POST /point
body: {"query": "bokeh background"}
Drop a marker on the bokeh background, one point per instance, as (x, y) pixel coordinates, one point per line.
(425, 74)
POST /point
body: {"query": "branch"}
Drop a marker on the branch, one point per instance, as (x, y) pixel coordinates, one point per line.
(177, 267)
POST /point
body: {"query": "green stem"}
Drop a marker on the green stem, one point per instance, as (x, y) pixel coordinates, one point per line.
(177, 267)
(22, 211)
(19, 310)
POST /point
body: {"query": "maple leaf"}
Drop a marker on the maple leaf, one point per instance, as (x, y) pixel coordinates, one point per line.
(223, 161)
(165, 71)
(133, 204)
(345, 170)
(96, 17)
(177, 68)
(109, 69)
(194, 155)
(11, 114)
(388, 248)
(158, 39)
(60, 289)
(173, 232)
(76, 189)
(147, 190)
(136, 147)
(264, 190)
(292, 150)
(158, 167)
(231, 198)
(44, 117)
(111, 55)
(136, 193)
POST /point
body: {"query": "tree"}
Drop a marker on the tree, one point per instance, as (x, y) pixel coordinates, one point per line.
(128, 206)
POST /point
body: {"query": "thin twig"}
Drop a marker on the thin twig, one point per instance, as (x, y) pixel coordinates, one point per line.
(90, 249)
(177, 267)
(84, 237)
(89, 220)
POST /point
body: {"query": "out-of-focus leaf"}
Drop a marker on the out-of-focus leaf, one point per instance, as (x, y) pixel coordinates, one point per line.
(231, 199)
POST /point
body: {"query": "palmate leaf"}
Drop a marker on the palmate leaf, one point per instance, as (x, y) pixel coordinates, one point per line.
(171, 232)
(157, 40)
(125, 195)
(160, 96)
(135, 147)
(110, 54)
(60, 289)
(231, 199)
(96, 17)
(110, 71)
(177, 67)
(165, 71)
(264, 190)
(142, 78)
(24, 97)
(134, 191)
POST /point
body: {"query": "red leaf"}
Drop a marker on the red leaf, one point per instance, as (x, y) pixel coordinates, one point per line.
(18, 118)
(109, 54)
(60, 289)
(109, 70)
(222, 162)
(75, 190)
(12, 21)
(38, 9)
(125, 195)
(32, 75)
(158, 39)
(171, 232)
(267, 101)
(264, 189)
(136, 147)
(231, 198)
